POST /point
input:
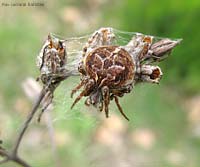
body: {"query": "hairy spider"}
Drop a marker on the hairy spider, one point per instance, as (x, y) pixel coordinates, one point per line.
(109, 71)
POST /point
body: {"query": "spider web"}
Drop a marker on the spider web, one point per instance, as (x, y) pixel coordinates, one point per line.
(74, 47)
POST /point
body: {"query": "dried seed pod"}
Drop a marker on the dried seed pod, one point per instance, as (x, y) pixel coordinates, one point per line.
(160, 49)
(139, 46)
(51, 62)
(103, 36)
(52, 57)
(151, 74)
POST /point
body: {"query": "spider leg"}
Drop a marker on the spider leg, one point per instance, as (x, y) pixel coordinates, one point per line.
(101, 107)
(77, 87)
(87, 90)
(120, 108)
(106, 99)
(87, 102)
(120, 92)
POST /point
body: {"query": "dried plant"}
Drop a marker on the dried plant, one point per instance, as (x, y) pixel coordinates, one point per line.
(107, 70)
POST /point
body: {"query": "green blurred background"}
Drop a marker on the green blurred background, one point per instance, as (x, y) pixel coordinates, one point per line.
(164, 130)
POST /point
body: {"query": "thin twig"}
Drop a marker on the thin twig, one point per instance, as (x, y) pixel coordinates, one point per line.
(13, 156)
(28, 120)
(50, 86)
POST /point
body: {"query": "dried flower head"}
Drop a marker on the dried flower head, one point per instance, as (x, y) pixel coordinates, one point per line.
(108, 71)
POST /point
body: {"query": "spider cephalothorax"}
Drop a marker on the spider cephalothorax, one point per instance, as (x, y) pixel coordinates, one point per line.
(109, 71)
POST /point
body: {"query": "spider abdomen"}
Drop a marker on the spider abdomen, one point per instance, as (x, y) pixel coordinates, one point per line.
(112, 66)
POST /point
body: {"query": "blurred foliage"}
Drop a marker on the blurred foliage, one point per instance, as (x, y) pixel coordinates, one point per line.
(160, 109)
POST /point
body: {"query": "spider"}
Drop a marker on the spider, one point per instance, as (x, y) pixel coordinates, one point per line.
(109, 71)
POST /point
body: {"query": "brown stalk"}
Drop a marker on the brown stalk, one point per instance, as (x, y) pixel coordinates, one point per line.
(13, 154)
